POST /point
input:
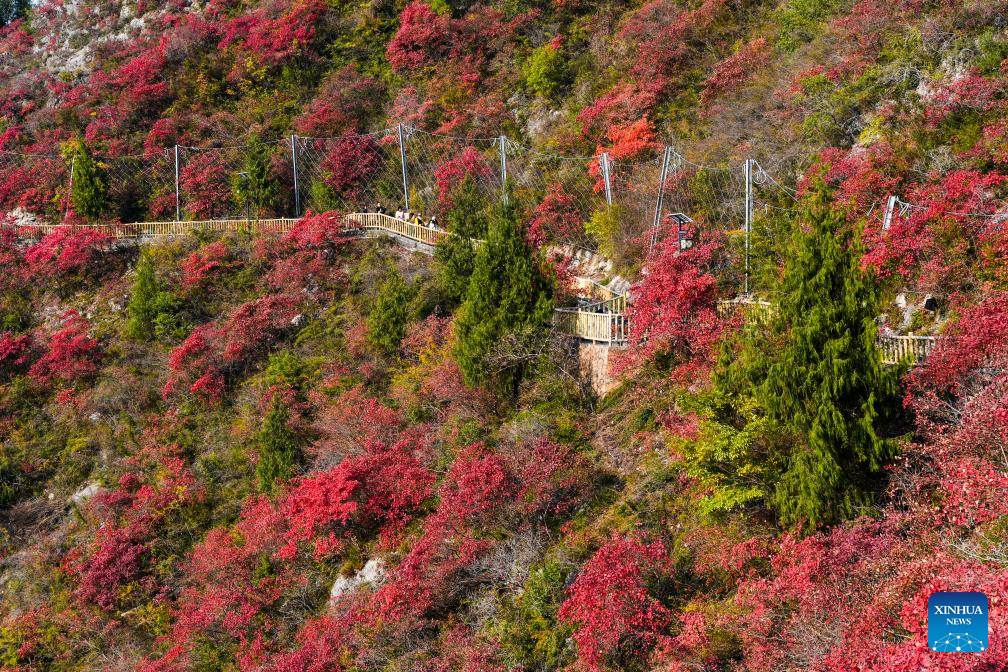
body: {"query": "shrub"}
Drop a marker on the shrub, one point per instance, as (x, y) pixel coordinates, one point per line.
(71, 352)
(612, 604)
(545, 70)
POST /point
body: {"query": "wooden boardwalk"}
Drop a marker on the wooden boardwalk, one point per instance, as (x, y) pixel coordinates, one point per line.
(603, 322)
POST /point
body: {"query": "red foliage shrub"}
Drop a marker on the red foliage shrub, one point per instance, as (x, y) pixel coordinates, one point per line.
(216, 350)
(276, 32)
(626, 142)
(350, 163)
(612, 605)
(346, 426)
(423, 38)
(450, 174)
(232, 581)
(67, 251)
(557, 219)
(14, 352)
(735, 70)
(71, 352)
(205, 264)
(345, 101)
(129, 530)
(674, 309)
(934, 240)
(315, 502)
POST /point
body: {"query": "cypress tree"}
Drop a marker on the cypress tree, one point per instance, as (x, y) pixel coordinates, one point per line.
(817, 372)
(455, 256)
(388, 318)
(506, 293)
(278, 448)
(143, 305)
(256, 188)
(89, 193)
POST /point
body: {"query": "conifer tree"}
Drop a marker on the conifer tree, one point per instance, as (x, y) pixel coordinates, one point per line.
(143, 305)
(455, 256)
(817, 373)
(388, 318)
(506, 293)
(89, 192)
(278, 448)
(255, 186)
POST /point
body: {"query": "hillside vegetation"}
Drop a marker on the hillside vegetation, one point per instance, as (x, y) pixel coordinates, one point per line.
(314, 452)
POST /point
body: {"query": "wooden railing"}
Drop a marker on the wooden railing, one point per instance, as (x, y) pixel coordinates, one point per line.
(366, 223)
(755, 311)
(895, 348)
(599, 327)
(910, 348)
(376, 224)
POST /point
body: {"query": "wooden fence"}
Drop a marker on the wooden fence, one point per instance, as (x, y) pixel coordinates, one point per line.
(366, 223)
(910, 348)
(598, 327)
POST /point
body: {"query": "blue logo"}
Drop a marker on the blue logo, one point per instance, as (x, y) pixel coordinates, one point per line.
(957, 622)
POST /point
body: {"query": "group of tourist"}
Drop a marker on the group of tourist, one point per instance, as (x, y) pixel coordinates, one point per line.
(407, 216)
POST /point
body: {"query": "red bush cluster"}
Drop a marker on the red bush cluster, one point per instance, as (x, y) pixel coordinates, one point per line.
(612, 602)
(70, 353)
(213, 351)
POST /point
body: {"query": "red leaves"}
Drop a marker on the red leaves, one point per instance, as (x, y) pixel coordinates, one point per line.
(450, 174)
(612, 605)
(735, 70)
(276, 32)
(316, 502)
(423, 37)
(350, 163)
(205, 264)
(14, 352)
(213, 350)
(71, 353)
(557, 219)
(64, 252)
(674, 309)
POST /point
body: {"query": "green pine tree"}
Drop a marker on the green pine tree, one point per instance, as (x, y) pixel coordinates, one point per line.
(388, 318)
(817, 373)
(468, 215)
(255, 187)
(89, 192)
(506, 293)
(279, 451)
(455, 256)
(142, 310)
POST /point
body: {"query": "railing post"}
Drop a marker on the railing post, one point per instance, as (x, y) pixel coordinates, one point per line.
(660, 201)
(178, 200)
(606, 178)
(748, 218)
(502, 143)
(297, 191)
(73, 163)
(889, 208)
(402, 158)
